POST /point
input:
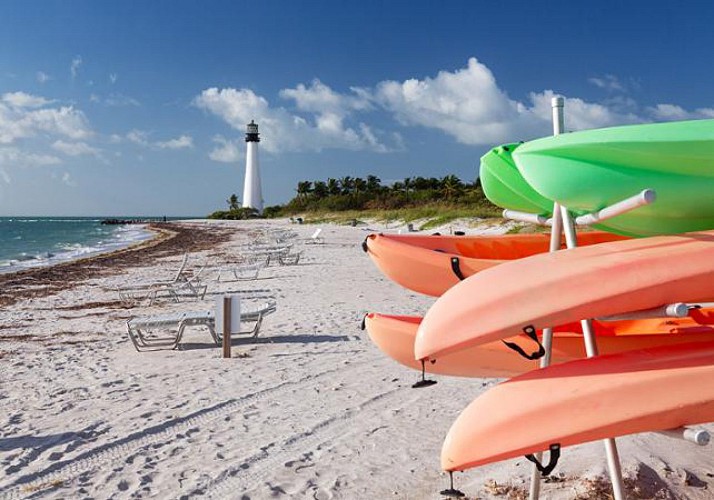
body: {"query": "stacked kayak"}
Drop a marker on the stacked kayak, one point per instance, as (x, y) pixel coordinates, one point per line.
(504, 185)
(496, 294)
(608, 396)
(586, 171)
(395, 336)
(601, 280)
(433, 264)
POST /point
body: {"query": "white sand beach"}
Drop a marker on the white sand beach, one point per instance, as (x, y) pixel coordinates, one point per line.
(309, 409)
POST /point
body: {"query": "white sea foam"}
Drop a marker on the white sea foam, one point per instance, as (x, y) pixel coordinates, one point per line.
(122, 237)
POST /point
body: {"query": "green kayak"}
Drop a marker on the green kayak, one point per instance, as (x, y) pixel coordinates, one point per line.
(589, 170)
(504, 185)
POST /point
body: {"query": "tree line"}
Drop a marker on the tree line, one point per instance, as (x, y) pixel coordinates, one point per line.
(356, 193)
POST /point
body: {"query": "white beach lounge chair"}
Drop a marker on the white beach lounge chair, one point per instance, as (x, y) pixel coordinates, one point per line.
(315, 238)
(138, 328)
(240, 272)
(184, 284)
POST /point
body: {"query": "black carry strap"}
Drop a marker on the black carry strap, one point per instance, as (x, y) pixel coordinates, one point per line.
(530, 331)
(554, 456)
(456, 267)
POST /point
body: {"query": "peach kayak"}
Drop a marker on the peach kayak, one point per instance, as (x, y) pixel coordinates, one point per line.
(562, 287)
(584, 400)
(395, 336)
(433, 264)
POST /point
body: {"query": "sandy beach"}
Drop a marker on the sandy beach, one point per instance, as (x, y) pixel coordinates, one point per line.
(309, 409)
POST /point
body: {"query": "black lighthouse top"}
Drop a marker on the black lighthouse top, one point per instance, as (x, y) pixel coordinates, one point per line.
(251, 133)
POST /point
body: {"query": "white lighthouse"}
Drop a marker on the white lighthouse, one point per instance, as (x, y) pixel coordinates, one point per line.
(252, 191)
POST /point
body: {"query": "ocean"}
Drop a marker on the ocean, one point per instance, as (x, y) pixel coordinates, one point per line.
(41, 241)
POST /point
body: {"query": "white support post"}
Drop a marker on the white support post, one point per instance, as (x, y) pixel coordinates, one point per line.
(527, 217)
(555, 233)
(645, 197)
(695, 435)
(676, 310)
(613, 460)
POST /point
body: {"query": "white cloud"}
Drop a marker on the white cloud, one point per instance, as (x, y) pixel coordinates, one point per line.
(227, 151)
(74, 67)
(608, 82)
(24, 100)
(322, 127)
(138, 137)
(11, 156)
(75, 148)
(67, 179)
(668, 112)
(141, 138)
(43, 77)
(115, 100)
(466, 104)
(319, 98)
(185, 141)
(4, 176)
(20, 122)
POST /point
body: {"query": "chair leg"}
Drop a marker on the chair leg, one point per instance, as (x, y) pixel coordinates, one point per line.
(179, 334)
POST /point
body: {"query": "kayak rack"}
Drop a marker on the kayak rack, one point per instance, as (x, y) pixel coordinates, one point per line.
(644, 197)
(563, 222)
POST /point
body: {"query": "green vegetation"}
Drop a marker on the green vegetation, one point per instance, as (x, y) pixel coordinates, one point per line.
(348, 199)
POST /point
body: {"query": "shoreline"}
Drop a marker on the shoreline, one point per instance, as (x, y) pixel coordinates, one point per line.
(170, 239)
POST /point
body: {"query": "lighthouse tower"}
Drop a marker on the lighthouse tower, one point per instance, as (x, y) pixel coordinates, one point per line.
(252, 191)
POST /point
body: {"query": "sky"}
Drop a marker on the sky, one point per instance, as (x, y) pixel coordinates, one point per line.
(139, 107)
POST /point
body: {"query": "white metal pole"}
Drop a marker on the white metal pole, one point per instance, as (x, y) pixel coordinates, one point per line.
(555, 233)
(613, 459)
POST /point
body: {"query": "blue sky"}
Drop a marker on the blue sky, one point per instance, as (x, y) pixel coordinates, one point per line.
(139, 107)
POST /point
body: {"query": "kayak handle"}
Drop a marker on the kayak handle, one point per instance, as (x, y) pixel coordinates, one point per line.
(554, 456)
(456, 267)
(530, 331)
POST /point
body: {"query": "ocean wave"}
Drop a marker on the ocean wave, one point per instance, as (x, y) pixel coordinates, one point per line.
(69, 251)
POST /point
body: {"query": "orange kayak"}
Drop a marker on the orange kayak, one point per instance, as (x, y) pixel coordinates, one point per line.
(585, 400)
(395, 336)
(563, 287)
(433, 264)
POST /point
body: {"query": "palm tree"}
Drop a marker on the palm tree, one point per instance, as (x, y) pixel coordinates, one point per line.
(304, 188)
(233, 203)
(360, 185)
(373, 183)
(333, 186)
(348, 184)
(408, 185)
(451, 186)
(421, 184)
(319, 189)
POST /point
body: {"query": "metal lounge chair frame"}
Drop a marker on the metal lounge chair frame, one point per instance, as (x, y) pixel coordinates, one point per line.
(178, 322)
(183, 284)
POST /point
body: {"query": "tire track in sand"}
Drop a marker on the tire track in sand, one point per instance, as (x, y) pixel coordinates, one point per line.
(252, 470)
(64, 471)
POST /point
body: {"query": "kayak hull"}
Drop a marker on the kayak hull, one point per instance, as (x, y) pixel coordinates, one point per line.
(591, 169)
(395, 336)
(567, 286)
(425, 263)
(582, 401)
